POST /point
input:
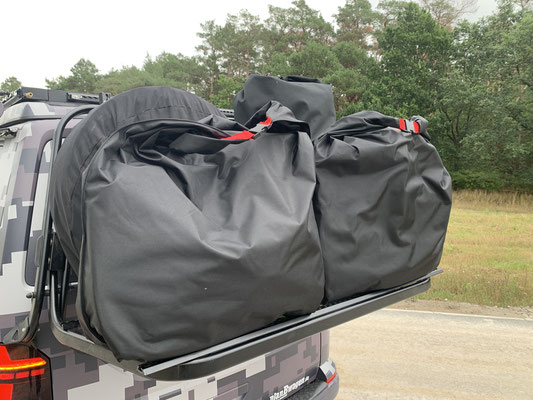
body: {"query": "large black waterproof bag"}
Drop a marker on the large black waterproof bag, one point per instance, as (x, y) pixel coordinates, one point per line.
(188, 236)
(382, 203)
(308, 98)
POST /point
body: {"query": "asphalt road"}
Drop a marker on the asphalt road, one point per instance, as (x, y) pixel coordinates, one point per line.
(396, 354)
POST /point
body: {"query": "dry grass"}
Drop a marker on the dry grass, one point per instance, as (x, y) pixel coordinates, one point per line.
(479, 199)
(488, 253)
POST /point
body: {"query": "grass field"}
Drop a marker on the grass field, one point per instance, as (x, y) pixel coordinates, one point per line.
(488, 253)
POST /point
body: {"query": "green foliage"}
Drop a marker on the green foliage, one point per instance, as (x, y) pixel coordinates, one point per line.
(447, 12)
(10, 84)
(350, 55)
(473, 81)
(495, 58)
(389, 11)
(462, 107)
(225, 90)
(314, 60)
(290, 29)
(356, 21)
(415, 52)
(116, 82)
(83, 77)
(485, 180)
(242, 35)
(278, 65)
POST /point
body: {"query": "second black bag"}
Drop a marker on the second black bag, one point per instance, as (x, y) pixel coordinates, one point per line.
(309, 99)
(383, 201)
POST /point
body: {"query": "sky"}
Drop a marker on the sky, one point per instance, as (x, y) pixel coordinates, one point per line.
(44, 39)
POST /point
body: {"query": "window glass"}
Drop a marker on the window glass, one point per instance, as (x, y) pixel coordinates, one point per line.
(8, 148)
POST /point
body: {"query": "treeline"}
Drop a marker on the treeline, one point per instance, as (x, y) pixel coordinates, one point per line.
(472, 80)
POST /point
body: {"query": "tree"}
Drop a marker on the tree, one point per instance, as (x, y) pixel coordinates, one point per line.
(448, 12)
(510, 88)
(355, 21)
(83, 78)
(485, 101)
(179, 71)
(10, 84)
(415, 52)
(472, 81)
(278, 65)
(232, 49)
(211, 51)
(351, 80)
(290, 29)
(461, 106)
(389, 11)
(313, 60)
(118, 81)
(225, 90)
(241, 39)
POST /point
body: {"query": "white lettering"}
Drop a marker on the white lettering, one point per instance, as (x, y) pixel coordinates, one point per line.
(288, 389)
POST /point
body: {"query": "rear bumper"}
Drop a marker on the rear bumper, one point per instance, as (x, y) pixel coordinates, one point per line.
(325, 387)
(318, 390)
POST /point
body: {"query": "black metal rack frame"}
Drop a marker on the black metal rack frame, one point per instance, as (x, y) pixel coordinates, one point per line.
(28, 94)
(54, 272)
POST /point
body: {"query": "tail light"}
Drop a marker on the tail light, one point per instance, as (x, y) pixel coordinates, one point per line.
(24, 374)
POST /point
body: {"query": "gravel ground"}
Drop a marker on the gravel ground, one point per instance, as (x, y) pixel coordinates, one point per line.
(406, 354)
(464, 308)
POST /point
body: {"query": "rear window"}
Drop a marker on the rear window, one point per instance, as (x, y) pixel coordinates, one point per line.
(39, 202)
(8, 151)
(24, 111)
(7, 158)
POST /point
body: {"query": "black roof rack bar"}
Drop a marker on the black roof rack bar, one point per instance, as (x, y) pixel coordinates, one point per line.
(228, 113)
(27, 94)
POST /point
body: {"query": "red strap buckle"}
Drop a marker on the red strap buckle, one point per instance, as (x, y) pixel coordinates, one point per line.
(247, 135)
(244, 135)
(409, 126)
(267, 121)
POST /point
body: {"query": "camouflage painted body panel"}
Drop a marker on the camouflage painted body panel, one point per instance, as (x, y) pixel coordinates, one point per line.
(32, 110)
(78, 376)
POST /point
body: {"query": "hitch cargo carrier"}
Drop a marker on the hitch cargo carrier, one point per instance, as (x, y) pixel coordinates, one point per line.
(55, 279)
(216, 358)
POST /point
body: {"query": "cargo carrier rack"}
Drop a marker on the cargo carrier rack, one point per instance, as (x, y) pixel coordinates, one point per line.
(53, 280)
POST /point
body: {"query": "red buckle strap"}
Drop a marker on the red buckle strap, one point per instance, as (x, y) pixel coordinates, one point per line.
(409, 126)
(247, 135)
(267, 121)
(244, 135)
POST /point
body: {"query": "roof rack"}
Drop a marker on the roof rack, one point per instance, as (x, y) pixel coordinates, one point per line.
(228, 113)
(27, 94)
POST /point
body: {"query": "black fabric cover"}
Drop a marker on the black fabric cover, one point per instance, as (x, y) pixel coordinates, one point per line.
(309, 99)
(134, 106)
(382, 204)
(185, 240)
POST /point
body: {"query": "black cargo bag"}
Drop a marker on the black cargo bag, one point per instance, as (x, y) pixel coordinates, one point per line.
(308, 98)
(189, 236)
(382, 203)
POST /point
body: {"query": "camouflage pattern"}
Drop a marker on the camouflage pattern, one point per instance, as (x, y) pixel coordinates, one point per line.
(76, 375)
(26, 110)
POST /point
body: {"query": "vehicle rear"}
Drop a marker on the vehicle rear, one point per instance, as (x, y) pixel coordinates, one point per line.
(44, 368)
